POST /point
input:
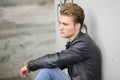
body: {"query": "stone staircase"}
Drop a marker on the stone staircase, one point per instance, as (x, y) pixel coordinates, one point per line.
(26, 32)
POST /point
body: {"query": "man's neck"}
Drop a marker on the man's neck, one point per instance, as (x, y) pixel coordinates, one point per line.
(73, 37)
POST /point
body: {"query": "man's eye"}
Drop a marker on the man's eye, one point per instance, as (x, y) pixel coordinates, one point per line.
(65, 24)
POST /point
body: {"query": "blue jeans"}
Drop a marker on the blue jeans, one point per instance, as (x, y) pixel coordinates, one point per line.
(51, 74)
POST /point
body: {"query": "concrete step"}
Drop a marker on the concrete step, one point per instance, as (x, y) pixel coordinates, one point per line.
(16, 78)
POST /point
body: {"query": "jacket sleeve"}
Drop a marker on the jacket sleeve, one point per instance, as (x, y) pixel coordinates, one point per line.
(61, 59)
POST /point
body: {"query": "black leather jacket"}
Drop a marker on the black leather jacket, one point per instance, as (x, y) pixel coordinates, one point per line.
(82, 58)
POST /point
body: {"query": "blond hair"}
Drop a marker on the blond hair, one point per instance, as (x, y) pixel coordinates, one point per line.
(72, 9)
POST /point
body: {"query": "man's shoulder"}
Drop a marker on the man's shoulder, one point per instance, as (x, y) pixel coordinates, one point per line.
(83, 39)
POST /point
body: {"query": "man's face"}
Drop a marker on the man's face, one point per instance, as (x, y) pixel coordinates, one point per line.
(67, 27)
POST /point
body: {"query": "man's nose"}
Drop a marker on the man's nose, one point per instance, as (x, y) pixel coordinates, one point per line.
(60, 26)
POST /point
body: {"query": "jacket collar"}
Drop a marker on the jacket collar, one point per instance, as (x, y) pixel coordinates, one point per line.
(69, 43)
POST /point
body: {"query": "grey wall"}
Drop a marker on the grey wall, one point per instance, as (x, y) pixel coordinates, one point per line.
(103, 21)
(24, 35)
(22, 2)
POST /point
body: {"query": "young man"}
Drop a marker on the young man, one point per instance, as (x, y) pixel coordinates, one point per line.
(81, 57)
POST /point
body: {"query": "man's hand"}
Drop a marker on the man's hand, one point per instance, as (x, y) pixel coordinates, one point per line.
(24, 72)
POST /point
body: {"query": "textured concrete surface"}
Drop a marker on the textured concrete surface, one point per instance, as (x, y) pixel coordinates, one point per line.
(23, 2)
(26, 32)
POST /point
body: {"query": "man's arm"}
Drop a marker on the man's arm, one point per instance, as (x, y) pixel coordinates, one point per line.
(60, 59)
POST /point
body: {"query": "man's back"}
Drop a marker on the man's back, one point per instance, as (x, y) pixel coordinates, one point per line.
(88, 65)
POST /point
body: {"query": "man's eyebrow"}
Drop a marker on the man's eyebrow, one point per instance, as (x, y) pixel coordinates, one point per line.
(62, 22)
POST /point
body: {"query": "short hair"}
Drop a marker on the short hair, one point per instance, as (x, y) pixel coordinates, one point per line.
(74, 10)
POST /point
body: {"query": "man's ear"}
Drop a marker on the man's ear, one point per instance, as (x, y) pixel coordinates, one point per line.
(78, 26)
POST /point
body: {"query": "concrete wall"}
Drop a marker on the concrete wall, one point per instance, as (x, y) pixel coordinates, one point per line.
(23, 2)
(103, 21)
(24, 35)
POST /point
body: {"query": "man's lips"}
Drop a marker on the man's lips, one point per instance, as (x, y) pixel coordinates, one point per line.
(61, 32)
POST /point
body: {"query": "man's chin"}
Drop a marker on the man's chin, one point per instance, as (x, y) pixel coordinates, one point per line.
(62, 36)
